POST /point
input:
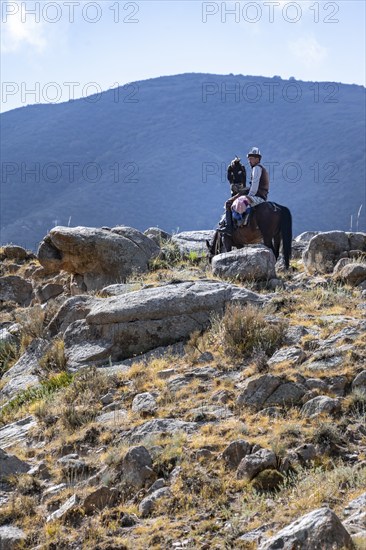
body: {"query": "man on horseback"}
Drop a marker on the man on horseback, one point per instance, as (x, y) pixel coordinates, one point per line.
(259, 180)
(257, 193)
(271, 223)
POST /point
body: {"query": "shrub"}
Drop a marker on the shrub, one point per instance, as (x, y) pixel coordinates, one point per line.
(243, 331)
(32, 320)
(327, 434)
(54, 359)
(80, 401)
(44, 391)
(356, 403)
(169, 256)
(8, 355)
(268, 480)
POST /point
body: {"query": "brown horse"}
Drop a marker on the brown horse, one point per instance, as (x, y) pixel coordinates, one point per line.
(269, 223)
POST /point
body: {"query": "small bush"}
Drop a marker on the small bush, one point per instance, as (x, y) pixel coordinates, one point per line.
(54, 359)
(26, 484)
(80, 401)
(44, 391)
(169, 256)
(327, 434)
(32, 320)
(356, 403)
(243, 331)
(17, 508)
(268, 480)
(8, 355)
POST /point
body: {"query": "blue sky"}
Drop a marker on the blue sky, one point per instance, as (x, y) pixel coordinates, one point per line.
(46, 45)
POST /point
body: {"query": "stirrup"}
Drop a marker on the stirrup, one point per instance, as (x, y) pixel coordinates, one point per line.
(246, 218)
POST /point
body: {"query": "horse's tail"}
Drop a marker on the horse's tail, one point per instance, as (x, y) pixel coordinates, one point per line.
(286, 233)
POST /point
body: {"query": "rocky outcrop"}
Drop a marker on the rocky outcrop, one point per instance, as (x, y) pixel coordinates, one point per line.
(17, 432)
(100, 256)
(14, 252)
(136, 468)
(11, 537)
(25, 373)
(325, 249)
(195, 241)
(353, 273)
(157, 235)
(249, 263)
(127, 325)
(269, 390)
(10, 465)
(252, 464)
(15, 289)
(320, 529)
(319, 405)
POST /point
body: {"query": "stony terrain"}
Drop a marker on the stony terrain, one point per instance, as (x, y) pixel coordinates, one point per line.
(150, 401)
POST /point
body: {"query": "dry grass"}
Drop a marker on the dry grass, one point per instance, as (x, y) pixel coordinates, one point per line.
(54, 359)
(208, 507)
(243, 331)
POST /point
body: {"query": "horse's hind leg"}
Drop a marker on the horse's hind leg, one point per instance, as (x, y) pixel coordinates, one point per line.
(276, 245)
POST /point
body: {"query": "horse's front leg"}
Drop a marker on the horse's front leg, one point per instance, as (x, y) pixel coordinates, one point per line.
(227, 243)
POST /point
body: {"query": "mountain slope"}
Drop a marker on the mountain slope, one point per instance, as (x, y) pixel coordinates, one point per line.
(155, 153)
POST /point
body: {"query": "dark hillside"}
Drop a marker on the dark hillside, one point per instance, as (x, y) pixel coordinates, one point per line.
(155, 152)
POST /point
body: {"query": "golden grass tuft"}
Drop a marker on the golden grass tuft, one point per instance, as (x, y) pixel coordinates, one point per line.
(243, 331)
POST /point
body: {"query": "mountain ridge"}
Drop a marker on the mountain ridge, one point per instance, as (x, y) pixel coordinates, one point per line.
(154, 153)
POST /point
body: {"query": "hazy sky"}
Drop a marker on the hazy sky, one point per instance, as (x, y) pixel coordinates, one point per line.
(57, 50)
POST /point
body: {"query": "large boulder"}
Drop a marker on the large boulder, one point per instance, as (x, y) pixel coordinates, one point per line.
(14, 252)
(321, 529)
(15, 289)
(269, 390)
(100, 256)
(325, 249)
(136, 468)
(17, 432)
(193, 241)
(157, 235)
(10, 465)
(353, 273)
(300, 242)
(11, 537)
(130, 324)
(255, 262)
(252, 464)
(320, 405)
